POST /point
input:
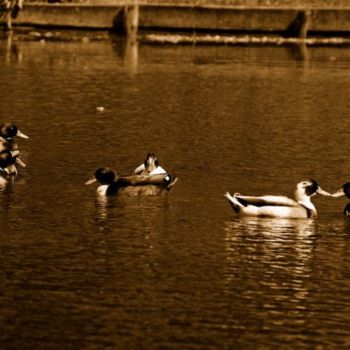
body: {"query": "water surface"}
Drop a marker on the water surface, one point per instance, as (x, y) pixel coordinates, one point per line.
(180, 271)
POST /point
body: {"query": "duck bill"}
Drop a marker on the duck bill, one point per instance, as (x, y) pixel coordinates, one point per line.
(91, 181)
(339, 193)
(21, 135)
(323, 192)
(20, 162)
(15, 153)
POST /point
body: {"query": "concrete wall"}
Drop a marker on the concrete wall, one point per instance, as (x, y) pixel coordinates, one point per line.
(200, 17)
(72, 16)
(216, 19)
(242, 19)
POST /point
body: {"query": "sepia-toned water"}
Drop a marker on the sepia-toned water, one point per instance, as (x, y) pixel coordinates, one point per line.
(177, 271)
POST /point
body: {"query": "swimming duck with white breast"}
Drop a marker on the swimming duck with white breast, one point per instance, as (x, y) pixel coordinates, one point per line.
(279, 206)
(150, 166)
(344, 191)
(133, 185)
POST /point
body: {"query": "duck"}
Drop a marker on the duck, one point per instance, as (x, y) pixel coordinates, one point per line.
(279, 206)
(150, 166)
(8, 162)
(7, 133)
(6, 146)
(133, 185)
(9, 130)
(344, 191)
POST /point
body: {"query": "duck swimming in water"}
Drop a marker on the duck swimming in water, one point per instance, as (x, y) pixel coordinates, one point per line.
(7, 133)
(279, 206)
(7, 162)
(150, 166)
(9, 130)
(344, 191)
(133, 185)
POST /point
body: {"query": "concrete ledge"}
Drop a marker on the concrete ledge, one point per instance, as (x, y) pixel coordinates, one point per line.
(241, 19)
(216, 19)
(208, 16)
(71, 16)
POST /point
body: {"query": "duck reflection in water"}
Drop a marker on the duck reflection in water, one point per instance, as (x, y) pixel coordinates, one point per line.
(274, 230)
(279, 206)
(133, 185)
(270, 247)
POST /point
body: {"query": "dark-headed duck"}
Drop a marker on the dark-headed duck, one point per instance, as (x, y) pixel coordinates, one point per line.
(133, 185)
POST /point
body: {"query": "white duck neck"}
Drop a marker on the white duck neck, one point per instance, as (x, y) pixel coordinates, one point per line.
(304, 200)
(102, 190)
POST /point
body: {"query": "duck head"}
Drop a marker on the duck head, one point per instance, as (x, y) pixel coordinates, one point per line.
(308, 188)
(105, 176)
(8, 161)
(9, 130)
(151, 161)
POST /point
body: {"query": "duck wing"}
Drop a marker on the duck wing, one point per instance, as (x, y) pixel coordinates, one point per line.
(262, 201)
(136, 182)
(147, 179)
(166, 180)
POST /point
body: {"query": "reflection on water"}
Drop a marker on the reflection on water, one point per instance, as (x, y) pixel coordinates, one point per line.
(274, 231)
(130, 50)
(11, 51)
(102, 206)
(84, 272)
(282, 243)
(286, 255)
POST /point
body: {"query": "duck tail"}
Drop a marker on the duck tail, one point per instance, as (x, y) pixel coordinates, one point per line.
(235, 204)
(173, 182)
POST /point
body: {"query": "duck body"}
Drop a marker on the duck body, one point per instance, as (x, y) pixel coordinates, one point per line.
(344, 191)
(133, 185)
(8, 162)
(270, 206)
(346, 210)
(5, 145)
(279, 206)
